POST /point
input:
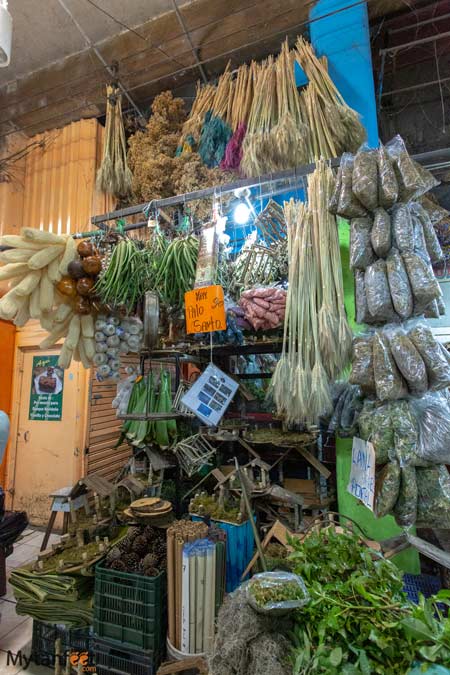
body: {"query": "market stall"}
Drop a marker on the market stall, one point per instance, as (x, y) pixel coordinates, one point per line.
(236, 367)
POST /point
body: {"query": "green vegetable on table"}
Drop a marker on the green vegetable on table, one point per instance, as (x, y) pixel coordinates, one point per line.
(358, 620)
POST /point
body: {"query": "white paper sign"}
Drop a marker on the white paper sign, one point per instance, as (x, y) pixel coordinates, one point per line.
(362, 474)
(210, 395)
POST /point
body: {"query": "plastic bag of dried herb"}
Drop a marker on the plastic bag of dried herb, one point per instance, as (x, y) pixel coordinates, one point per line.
(350, 412)
(338, 393)
(432, 413)
(362, 362)
(406, 433)
(432, 244)
(365, 178)
(435, 211)
(432, 310)
(389, 383)
(435, 356)
(413, 179)
(387, 488)
(378, 294)
(276, 593)
(362, 310)
(333, 204)
(424, 284)
(408, 360)
(348, 205)
(375, 425)
(402, 228)
(381, 235)
(361, 252)
(405, 509)
(441, 305)
(387, 181)
(433, 499)
(399, 286)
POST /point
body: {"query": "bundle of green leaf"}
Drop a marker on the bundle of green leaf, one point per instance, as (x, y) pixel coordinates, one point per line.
(358, 620)
(176, 273)
(54, 598)
(129, 272)
(145, 400)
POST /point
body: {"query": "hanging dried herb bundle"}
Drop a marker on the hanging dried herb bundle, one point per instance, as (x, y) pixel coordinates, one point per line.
(240, 111)
(344, 126)
(216, 130)
(151, 153)
(190, 135)
(114, 176)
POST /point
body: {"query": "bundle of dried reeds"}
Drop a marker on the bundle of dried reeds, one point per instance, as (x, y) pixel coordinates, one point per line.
(259, 153)
(191, 131)
(114, 176)
(343, 123)
(242, 101)
(216, 130)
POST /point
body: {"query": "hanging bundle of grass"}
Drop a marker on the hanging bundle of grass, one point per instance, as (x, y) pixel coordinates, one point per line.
(216, 130)
(259, 153)
(190, 135)
(290, 134)
(300, 383)
(321, 137)
(114, 176)
(343, 122)
(242, 101)
(335, 336)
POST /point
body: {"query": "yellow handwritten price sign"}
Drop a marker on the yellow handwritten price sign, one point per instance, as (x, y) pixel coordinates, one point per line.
(205, 310)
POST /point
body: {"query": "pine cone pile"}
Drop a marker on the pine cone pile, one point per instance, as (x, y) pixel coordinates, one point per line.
(141, 551)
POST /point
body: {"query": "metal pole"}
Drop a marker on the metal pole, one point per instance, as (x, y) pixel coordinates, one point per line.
(188, 38)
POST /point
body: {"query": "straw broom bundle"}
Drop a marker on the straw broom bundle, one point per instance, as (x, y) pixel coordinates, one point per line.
(344, 122)
(259, 152)
(216, 131)
(191, 131)
(114, 175)
(242, 100)
(290, 133)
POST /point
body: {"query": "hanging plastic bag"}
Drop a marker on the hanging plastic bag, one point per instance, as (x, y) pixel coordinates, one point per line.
(402, 228)
(350, 412)
(399, 286)
(435, 211)
(406, 433)
(420, 245)
(424, 284)
(375, 425)
(389, 383)
(432, 310)
(365, 178)
(435, 356)
(431, 240)
(413, 180)
(405, 509)
(378, 294)
(362, 310)
(387, 488)
(333, 204)
(387, 181)
(381, 236)
(348, 206)
(362, 363)
(408, 361)
(433, 498)
(361, 252)
(432, 413)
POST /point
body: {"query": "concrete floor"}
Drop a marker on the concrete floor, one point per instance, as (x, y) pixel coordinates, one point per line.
(15, 630)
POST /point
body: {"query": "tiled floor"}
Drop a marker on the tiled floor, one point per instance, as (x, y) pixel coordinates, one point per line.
(15, 630)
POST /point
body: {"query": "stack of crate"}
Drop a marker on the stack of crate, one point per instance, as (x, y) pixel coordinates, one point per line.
(130, 622)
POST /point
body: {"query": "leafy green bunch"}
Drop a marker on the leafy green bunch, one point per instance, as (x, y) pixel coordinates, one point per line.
(358, 620)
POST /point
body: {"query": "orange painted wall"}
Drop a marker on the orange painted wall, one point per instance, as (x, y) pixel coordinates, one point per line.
(7, 336)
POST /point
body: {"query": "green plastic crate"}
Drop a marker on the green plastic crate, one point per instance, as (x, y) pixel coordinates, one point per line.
(130, 609)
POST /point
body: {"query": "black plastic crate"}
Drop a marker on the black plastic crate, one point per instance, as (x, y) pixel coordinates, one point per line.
(130, 609)
(72, 640)
(112, 658)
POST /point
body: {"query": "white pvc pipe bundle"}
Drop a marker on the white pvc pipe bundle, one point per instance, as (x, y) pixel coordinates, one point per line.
(198, 596)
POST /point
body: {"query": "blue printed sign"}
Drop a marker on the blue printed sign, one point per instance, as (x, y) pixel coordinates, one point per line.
(362, 475)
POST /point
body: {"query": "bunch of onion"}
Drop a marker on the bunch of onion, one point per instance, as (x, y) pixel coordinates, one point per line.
(335, 335)
(240, 110)
(114, 176)
(290, 134)
(216, 130)
(343, 122)
(190, 135)
(259, 152)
